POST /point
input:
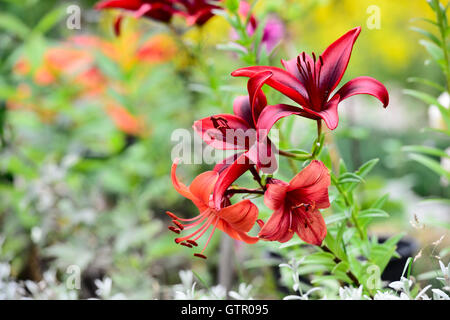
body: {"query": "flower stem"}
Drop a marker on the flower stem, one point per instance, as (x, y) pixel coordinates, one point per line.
(337, 260)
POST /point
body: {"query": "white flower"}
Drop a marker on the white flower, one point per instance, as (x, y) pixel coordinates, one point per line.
(303, 296)
(439, 295)
(350, 293)
(103, 287)
(243, 292)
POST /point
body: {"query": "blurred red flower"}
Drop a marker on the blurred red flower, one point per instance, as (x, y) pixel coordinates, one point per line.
(310, 81)
(235, 220)
(194, 11)
(296, 205)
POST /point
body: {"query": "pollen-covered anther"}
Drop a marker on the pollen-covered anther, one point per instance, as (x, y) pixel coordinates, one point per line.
(260, 223)
(186, 244)
(192, 242)
(199, 255)
(178, 240)
(179, 225)
(173, 229)
(170, 214)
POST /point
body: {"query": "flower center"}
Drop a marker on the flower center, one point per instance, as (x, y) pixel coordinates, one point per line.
(311, 75)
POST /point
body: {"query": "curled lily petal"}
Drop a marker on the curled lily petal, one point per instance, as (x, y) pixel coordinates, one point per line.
(365, 85)
(224, 131)
(258, 100)
(228, 176)
(280, 80)
(241, 216)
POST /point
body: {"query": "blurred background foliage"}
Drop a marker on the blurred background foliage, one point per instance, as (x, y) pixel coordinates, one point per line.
(86, 123)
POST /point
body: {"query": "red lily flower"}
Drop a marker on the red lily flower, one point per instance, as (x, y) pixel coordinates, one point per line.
(198, 11)
(235, 220)
(239, 131)
(296, 205)
(161, 10)
(195, 11)
(310, 81)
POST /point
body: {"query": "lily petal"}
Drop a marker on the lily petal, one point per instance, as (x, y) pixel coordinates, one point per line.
(225, 163)
(203, 185)
(183, 190)
(258, 100)
(241, 216)
(311, 227)
(270, 115)
(234, 137)
(235, 234)
(228, 176)
(275, 194)
(330, 113)
(365, 85)
(335, 61)
(277, 227)
(311, 185)
(242, 109)
(280, 80)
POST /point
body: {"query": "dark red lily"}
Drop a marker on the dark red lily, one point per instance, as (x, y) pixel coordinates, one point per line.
(239, 131)
(195, 11)
(310, 81)
(160, 10)
(198, 11)
(235, 220)
(296, 205)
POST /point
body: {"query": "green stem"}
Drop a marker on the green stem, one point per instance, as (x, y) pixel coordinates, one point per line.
(337, 260)
(349, 204)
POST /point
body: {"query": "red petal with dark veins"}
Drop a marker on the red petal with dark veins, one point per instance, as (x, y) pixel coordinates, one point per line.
(277, 227)
(236, 136)
(242, 109)
(275, 194)
(310, 226)
(280, 80)
(228, 176)
(258, 100)
(330, 113)
(365, 85)
(310, 186)
(335, 61)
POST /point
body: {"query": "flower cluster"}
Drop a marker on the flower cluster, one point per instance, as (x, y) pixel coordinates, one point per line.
(196, 12)
(308, 80)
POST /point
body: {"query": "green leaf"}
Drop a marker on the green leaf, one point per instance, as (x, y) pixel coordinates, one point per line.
(350, 177)
(430, 100)
(14, 25)
(373, 213)
(431, 164)
(426, 150)
(427, 83)
(435, 51)
(49, 20)
(379, 203)
(427, 34)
